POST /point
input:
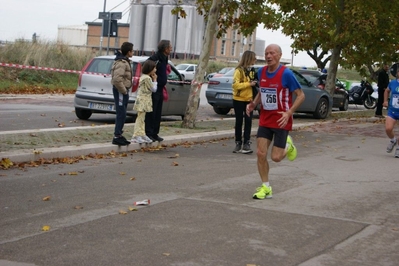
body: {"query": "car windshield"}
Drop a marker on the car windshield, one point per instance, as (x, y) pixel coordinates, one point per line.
(230, 73)
(224, 70)
(181, 67)
(310, 77)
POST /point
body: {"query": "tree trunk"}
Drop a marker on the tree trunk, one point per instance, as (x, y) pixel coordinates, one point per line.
(332, 72)
(195, 92)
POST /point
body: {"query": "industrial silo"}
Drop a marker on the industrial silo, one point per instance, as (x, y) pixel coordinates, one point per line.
(137, 26)
(198, 34)
(168, 26)
(153, 22)
(184, 32)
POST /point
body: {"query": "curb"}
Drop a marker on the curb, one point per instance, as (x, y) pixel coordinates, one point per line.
(29, 155)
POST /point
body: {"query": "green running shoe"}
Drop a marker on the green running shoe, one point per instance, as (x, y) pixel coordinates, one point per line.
(263, 192)
(292, 151)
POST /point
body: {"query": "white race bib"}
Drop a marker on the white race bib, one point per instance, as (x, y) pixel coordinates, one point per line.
(269, 98)
(395, 101)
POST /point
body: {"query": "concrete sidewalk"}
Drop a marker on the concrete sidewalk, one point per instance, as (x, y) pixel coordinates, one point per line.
(83, 141)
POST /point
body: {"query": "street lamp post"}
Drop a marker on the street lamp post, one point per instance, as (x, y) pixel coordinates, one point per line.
(102, 29)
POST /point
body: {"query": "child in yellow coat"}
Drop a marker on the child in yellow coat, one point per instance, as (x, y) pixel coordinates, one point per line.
(143, 104)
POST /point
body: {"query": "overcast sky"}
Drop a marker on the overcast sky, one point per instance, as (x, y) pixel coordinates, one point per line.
(23, 18)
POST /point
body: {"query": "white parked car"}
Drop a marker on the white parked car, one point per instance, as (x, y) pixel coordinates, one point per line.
(187, 70)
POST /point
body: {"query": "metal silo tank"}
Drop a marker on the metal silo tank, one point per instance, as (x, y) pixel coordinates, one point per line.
(198, 34)
(184, 31)
(152, 27)
(168, 26)
(137, 25)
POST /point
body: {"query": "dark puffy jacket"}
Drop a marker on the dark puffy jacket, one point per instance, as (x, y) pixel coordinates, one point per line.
(161, 70)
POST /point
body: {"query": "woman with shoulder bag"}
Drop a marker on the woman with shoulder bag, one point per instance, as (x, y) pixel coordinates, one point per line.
(242, 95)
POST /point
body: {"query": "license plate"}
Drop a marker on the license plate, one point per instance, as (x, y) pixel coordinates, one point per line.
(101, 106)
(224, 96)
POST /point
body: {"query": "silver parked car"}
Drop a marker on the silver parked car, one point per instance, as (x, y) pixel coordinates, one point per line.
(219, 94)
(94, 91)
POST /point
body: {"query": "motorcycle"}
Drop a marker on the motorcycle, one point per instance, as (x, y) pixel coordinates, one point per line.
(362, 95)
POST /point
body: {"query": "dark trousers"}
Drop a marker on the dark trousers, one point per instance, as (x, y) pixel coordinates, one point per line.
(153, 119)
(120, 101)
(240, 115)
(380, 101)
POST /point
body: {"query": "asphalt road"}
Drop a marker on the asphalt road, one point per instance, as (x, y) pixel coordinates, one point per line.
(336, 204)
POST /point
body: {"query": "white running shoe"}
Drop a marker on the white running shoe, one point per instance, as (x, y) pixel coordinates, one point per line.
(147, 139)
(391, 145)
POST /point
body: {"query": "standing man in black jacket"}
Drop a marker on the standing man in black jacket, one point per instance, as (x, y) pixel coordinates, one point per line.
(153, 119)
(383, 81)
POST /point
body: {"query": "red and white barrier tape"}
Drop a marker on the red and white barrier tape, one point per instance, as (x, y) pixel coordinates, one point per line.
(48, 69)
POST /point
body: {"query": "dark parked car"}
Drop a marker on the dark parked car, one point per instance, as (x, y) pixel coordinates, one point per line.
(219, 94)
(94, 91)
(340, 97)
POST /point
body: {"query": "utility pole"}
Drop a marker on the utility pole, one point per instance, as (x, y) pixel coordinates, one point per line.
(102, 29)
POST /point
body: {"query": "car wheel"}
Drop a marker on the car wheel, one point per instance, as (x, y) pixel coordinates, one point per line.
(345, 105)
(221, 110)
(321, 111)
(83, 114)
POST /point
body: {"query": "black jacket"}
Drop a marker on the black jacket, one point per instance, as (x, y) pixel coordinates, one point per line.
(383, 79)
(161, 69)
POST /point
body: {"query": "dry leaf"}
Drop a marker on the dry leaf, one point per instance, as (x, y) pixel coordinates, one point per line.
(61, 125)
(122, 173)
(78, 207)
(174, 156)
(175, 164)
(73, 173)
(32, 135)
(46, 198)
(6, 163)
(37, 152)
(122, 212)
(46, 228)
(132, 209)
(166, 254)
(132, 178)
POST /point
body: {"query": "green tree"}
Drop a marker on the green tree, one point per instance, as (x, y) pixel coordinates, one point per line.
(356, 33)
(221, 15)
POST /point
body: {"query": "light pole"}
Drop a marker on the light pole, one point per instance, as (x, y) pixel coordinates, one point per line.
(102, 30)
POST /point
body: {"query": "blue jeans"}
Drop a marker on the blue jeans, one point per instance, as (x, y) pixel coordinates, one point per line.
(121, 101)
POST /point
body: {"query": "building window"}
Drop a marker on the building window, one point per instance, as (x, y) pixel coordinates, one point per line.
(234, 34)
(224, 35)
(250, 47)
(222, 51)
(233, 49)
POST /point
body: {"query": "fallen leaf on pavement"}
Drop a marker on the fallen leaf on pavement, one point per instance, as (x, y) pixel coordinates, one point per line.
(46, 198)
(6, 163)
(132, 209)
(78, 207)
(122, 212)
(175, 164)
(73, 173)
(166, 254)
(132, 178)
(46, 228)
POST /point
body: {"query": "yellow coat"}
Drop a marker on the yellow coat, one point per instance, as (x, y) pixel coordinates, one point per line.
(242, 90)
